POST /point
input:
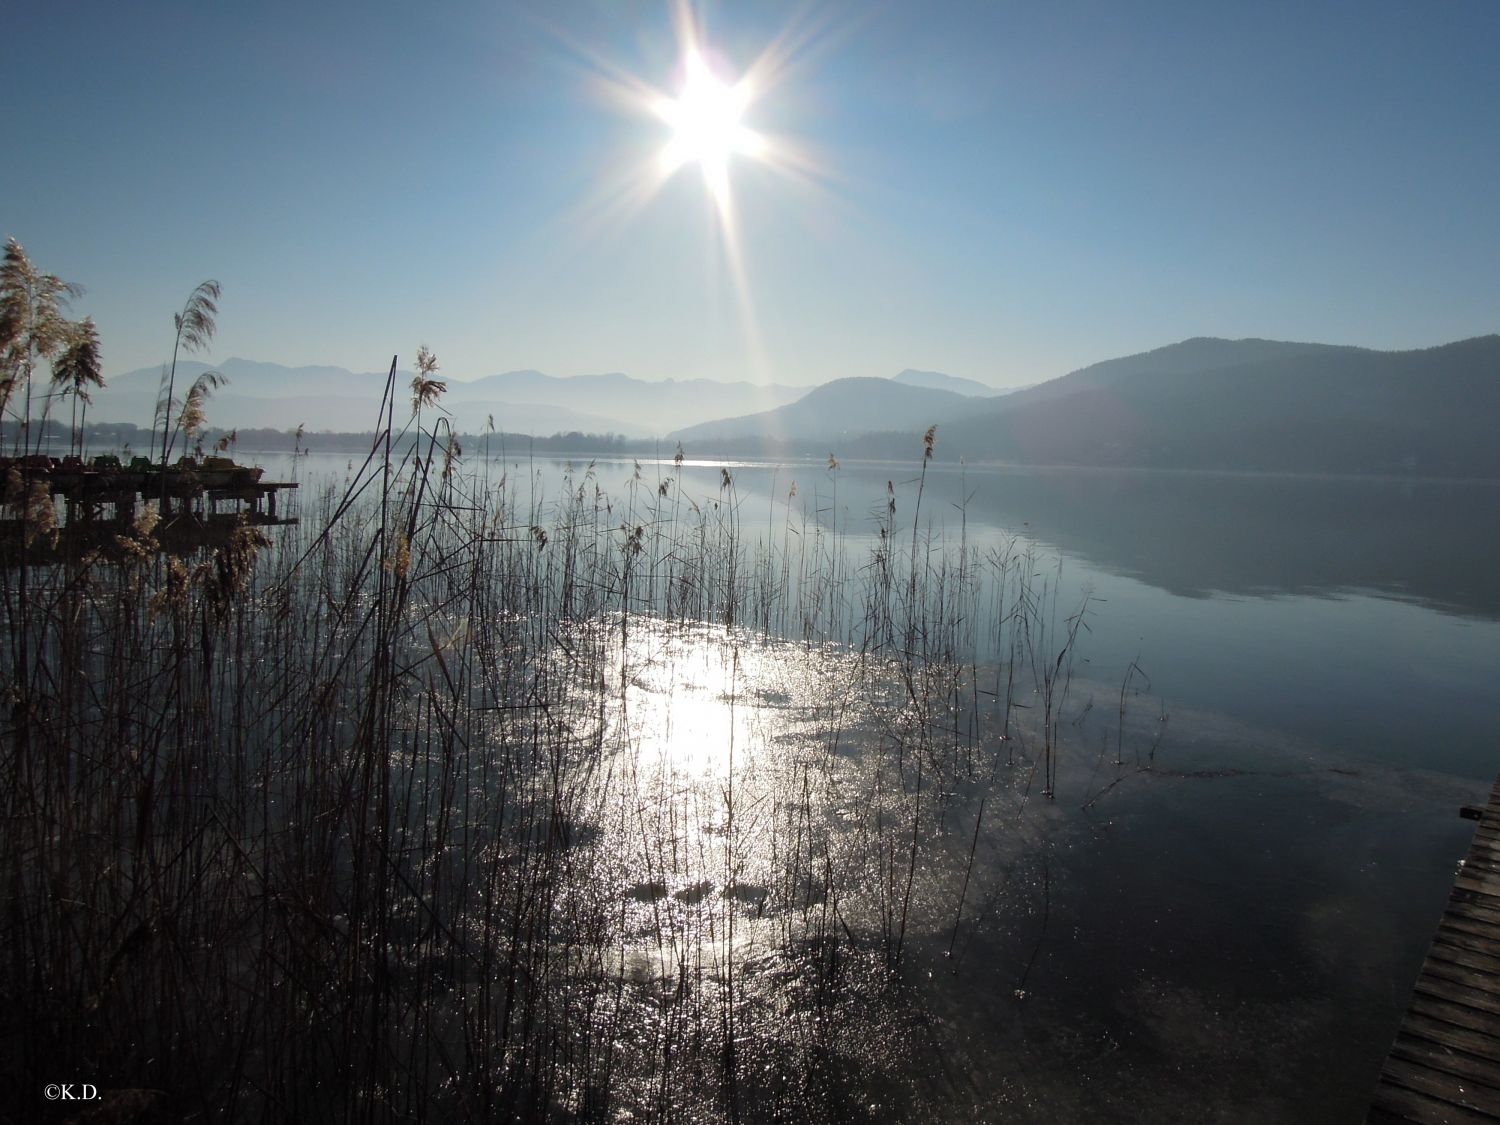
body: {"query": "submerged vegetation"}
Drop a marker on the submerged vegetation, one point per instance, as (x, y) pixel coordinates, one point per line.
(464, 800)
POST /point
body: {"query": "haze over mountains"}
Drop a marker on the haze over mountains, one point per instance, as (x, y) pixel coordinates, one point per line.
(1203, 403)
(526, 402)
(938, 381)
(837, 412)
(1258, 405)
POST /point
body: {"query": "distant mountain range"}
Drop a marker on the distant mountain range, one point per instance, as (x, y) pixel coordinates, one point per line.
(1242, 405)
(529, 402)
(936, 380)
(837, 412)
(1203, 403)
(1259, 405)
(1201, 353)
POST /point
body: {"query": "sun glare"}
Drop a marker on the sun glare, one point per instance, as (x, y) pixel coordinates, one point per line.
(705, 123)
(704, 114)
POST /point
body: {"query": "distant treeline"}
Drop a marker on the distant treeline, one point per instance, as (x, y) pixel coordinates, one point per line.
(130, 439)
(125, 437)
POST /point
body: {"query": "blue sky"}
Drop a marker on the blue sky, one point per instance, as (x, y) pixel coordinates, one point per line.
(1000, 191)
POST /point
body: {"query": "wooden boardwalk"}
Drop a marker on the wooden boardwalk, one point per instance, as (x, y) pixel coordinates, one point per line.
(191, 485)
(1445, 1063)
(99, 501)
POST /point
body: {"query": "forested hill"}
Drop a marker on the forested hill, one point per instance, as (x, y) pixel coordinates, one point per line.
(1287, 407)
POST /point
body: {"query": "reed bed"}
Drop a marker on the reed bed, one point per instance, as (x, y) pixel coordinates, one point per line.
(479, 796)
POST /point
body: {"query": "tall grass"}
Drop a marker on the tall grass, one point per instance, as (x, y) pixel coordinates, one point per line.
(401, 814)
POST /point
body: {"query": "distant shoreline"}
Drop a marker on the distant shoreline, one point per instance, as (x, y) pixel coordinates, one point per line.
(116, 437)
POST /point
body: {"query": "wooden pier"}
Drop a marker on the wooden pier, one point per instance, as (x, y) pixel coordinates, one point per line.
(199, 502)
(1445, 1063)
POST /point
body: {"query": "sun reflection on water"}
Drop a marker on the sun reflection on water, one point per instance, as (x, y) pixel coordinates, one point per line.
(692, 702)
(757, 808)
(706, 733)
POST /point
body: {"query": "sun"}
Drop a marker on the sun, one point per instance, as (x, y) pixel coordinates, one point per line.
(706, 126)
(704, 115)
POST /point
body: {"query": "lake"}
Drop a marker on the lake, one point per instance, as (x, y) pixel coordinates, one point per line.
(698, 791)
(1233, 936)
(1229, 931)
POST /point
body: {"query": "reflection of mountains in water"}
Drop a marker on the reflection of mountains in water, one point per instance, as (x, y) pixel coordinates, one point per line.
(1193, 534)
(1196, 533)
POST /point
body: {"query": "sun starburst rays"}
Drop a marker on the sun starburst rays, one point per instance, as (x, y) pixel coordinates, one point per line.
(706, 127)
(703, 122)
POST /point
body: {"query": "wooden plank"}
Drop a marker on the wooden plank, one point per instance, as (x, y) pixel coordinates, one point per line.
(1476, 896)
(1477, 1099)
(1444, 1065)
(1434, 1056)
(1482, 966)
(1470, 916)
(1481, 943)
(1450, 993)
(1467, 902)
(1460, 1015)
(1476, 880)
(1474, 885)
(1470, 913)
(1443, 1033)
(1475, 928)
(1479, 875)
(1473, 903)
(1469, 950)
(1411, 1105)
(1446, 947)
(1462, 976)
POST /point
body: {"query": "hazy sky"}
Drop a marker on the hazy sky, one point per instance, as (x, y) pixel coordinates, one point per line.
(1003, 191)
